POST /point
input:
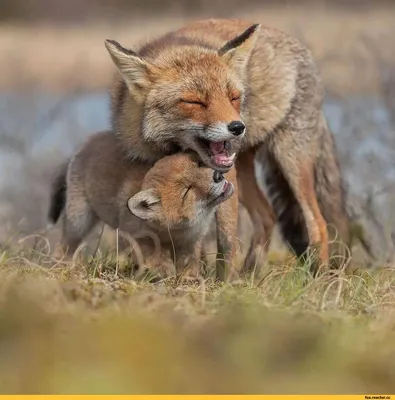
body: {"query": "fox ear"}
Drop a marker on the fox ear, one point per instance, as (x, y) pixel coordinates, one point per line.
(134, 70)
(144, 204)
(237, 51)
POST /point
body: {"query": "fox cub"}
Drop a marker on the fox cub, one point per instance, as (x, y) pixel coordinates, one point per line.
(176, 198)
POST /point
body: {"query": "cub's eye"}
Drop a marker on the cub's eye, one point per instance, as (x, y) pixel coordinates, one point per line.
(186, 192)
(193, 102)
(236, 98)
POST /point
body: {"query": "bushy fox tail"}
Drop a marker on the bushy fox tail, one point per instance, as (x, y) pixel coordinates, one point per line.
(58, 195)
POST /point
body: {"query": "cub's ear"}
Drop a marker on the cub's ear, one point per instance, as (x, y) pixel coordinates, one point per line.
(237, 51)
(144, 204)
(135, 71)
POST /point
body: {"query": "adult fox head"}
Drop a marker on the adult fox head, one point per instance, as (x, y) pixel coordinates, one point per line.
(189, 95)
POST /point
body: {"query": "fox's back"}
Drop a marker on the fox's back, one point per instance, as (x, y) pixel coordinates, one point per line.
(212, 34)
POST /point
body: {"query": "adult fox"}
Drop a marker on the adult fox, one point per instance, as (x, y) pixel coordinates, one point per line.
(226, 87)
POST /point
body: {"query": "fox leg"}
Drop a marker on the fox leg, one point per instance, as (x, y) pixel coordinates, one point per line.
(315, 222)
(299, 174)
(204, 259)
(188, 263)
(227, 221)
(330, 192)
(289, 181)
(79, 219)
(146, 259)
(259, 209)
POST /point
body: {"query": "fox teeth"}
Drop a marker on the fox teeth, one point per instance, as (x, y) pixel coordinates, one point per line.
(232, 157)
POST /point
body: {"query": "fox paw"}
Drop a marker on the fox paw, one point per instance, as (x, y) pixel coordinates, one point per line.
(190, 278)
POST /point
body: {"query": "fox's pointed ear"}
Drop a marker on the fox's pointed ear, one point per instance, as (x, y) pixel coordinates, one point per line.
(144, 204)
(237, 51)
(134, 70)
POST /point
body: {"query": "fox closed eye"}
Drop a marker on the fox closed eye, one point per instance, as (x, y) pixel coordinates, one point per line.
(193, 102)
(186, 192)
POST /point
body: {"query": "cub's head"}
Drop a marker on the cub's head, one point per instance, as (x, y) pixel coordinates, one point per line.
(190, 96)
(179, 192)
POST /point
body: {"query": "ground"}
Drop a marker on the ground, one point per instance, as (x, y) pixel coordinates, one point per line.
(87, 327)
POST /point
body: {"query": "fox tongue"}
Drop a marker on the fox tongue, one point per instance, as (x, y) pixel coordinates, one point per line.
(217, 147)
(220, 155)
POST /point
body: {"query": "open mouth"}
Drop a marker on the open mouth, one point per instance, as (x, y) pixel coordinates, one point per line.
(219, 152)
(227, 191)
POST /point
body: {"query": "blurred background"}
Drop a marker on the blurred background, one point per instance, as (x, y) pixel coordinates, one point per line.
(55, 72)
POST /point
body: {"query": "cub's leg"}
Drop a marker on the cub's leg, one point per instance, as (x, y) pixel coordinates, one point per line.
(189, 264)
(79, 218)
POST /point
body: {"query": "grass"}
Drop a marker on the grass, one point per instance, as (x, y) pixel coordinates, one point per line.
(86, 328)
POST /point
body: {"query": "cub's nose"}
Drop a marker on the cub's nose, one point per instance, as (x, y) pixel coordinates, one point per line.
(236, 128)
(218, 177)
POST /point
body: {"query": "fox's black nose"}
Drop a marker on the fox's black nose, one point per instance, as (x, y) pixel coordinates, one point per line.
(218, 177)
(236, 128)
